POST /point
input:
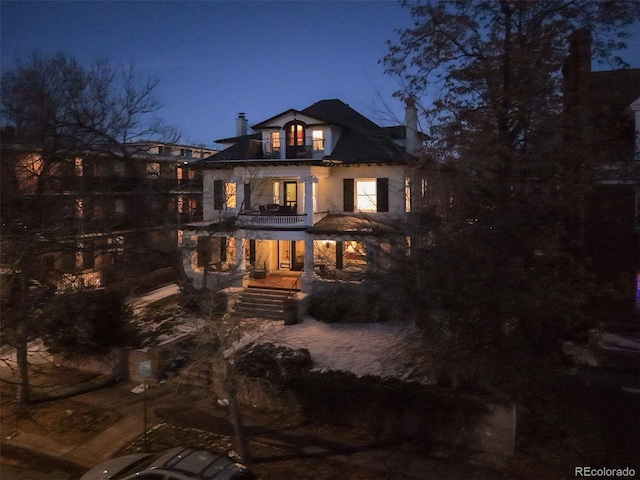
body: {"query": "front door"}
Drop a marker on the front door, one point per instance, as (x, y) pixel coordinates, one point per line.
(291, 255)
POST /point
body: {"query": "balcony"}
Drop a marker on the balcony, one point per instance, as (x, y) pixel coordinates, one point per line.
(313, 148)
(272, 216)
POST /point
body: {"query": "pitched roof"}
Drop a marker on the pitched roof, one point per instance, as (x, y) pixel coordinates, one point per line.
(626, 89)
(245, 147)
(336, 224)
(362, 141)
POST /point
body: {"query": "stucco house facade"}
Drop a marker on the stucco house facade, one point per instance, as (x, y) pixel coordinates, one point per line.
(310, 195)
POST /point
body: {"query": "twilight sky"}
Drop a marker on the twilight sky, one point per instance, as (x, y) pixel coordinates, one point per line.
(216, 58)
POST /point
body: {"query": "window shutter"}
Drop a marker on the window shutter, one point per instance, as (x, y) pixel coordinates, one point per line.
(382, 195)
(247, 196)
(218, 194)
(252, 252)
(339, 254)
(348, 190)
(223, 249)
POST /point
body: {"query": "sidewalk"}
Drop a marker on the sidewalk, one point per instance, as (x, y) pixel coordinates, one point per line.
(166, 405)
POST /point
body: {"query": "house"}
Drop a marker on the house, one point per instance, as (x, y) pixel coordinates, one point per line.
(95, 218)
(308, 195)
(602, 112)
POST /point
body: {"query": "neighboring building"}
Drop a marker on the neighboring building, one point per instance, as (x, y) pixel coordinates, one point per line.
(101, 219)
(310, 193)
(602, 111)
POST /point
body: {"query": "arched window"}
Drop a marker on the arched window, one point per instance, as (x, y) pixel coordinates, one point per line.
(295, 137)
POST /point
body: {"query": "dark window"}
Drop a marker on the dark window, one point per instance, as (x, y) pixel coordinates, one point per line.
(218, 194)
(247, 196)
(348, 186)
(339, 255)
(223, 249)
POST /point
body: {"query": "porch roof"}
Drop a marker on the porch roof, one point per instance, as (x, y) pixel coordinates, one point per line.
(336, 224)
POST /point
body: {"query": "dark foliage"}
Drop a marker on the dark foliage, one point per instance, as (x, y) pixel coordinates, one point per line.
(347, 304)
(276, 364)
(386, 406)
(87, 323)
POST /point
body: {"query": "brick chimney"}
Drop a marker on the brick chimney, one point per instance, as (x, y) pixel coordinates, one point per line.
(576, 73)
(411, 126)
(242, 125)
(576, 70)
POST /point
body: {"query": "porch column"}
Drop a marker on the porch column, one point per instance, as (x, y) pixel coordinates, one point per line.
(307, 276)
(309, 180)
(283, 145)
(239, 194)
(241, 268)
(372, 255)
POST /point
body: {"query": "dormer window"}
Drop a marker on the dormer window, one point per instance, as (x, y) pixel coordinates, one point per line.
(317, 138)
(295, 137)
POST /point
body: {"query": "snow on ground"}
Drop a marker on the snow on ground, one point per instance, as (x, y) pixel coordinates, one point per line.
(383, 349)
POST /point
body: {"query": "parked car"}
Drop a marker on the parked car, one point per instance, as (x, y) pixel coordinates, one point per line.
(179, 463)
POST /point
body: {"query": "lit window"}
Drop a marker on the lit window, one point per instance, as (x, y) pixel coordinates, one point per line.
(295, 135)
(230, 191)
(318, 139)
(366, 195)
(274, 138)
(407, 194)
(276, 192)
(153, 169)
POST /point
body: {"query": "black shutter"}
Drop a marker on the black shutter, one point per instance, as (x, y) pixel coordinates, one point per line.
(223, 249)
(339, 254)
(252, 252)
(348, 190)
(247, 196)
(382, 195)
(218, 194)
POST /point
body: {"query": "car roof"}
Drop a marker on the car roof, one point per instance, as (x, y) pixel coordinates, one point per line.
(198, 463)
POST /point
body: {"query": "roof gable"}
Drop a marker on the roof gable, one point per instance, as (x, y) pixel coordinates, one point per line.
(360, 140)
(280, 120)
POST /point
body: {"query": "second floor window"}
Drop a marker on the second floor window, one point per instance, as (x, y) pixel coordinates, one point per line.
(295, 135)
(224, 195)
(366, 191)
(274, 138)
(366, 194)
(317, 137)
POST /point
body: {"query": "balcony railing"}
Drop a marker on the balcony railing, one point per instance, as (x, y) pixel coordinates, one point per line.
(275, 220)
(312, 148)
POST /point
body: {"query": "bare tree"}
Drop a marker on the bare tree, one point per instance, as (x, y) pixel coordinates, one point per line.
(59, 113)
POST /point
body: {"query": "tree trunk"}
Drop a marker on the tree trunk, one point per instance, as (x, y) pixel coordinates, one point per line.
(236, 420)
(23, 396)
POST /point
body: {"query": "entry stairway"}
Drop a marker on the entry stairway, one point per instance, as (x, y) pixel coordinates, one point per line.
(261, 302)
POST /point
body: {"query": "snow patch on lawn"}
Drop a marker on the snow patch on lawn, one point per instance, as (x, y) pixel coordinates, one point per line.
(386, 349)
